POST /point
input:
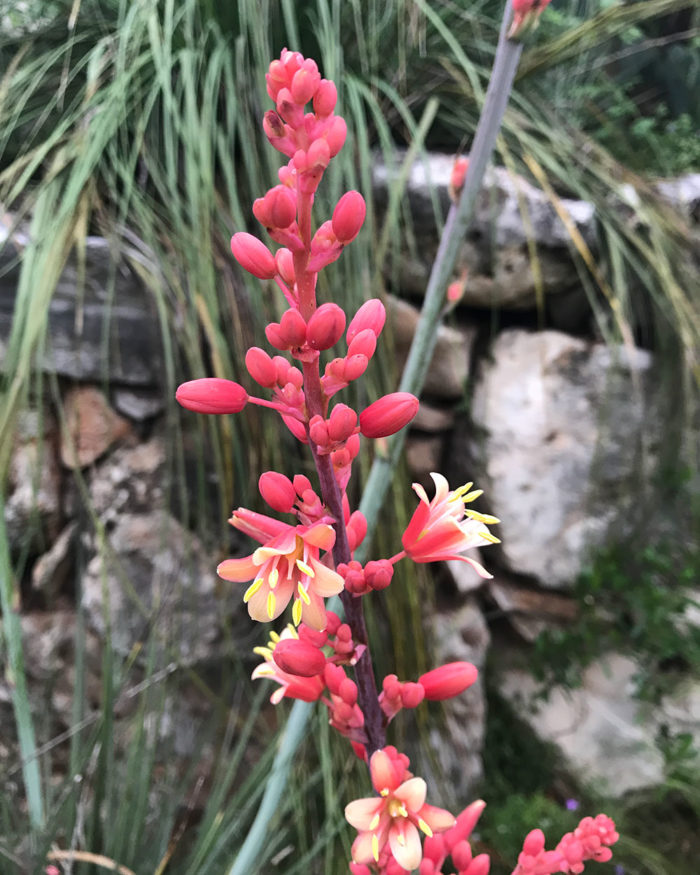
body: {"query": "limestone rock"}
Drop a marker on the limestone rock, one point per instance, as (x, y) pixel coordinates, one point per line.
(604, 734)
(530, 611)
(138, 404)
(51, 570)
(91, 427)
(130, 479)
(567, 435)
(432, 419)
(159, 581)
(459, 634)
(449, 366)
(110, 303)
(423, 454)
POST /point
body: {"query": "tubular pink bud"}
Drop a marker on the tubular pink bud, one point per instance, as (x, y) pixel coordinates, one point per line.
(448, 680)
(364, 343)
(293, 327)
(275, 337)
(318, 155)
(534, 843)
(277, 209)
(411, 694)
(480, 865)
(253, 255)
(285, 265)
(337, 132)
(273, 125)
(347, 691)
(325, 327)
(355, 366)
(304, 85)
(466, 821)
(298, 657)
(348, 216)
(277, 490)
(371, 315)
(325, 98)
(461, 855)
(388, 414)
(261, 367)
(341, 422)
(212, 395)
(318, 431)
(378, 573)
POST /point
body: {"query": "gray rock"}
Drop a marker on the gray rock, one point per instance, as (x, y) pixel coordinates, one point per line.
(107, 326)
(138, 405)
(567, 437)
(498, 215)
(423, 455)
(156, 581)
(50, 571)
(449, 366)
(460, 634)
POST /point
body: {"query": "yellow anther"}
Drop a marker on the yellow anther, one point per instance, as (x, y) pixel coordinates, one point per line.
(484, 518)
(423, 826)
(292, 631)
(458, 493)
(296, 611)
(274, 637)
(384, 792)
(401, 838)
(303, 594)
(477, 493)
(305, 569)
(271, 603)
(374, 823)
(265, 652)
(252, 589)
(487, 536)
(273, 578)
(375, 848)
(267, 670)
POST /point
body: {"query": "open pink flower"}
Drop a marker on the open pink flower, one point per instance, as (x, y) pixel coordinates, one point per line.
(395, 816)
(443, 528)
(286, 567)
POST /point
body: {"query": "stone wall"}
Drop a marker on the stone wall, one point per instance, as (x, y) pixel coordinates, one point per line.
(557, 427)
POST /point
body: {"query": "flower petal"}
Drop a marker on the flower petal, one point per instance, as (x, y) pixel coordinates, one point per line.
(238, 570)
(362, 812)
(412, 793)
(404, 841)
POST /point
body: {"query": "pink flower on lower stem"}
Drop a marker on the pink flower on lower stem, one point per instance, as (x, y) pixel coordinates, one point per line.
(286, 567)
(395, 816)
(443, 528)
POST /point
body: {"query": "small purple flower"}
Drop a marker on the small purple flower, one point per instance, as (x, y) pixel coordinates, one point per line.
(572, 805)
(619, 870)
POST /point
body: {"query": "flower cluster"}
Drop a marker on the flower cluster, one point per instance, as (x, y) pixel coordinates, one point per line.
(316, 352)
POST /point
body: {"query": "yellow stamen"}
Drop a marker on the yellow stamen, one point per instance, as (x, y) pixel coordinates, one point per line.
(458, 493)
(484, 518)
(292, 631)
(477, 493)
(271, 602)
(384, 792)
(303, 594)
(265, 670)
(375, 848)
(375, 822)
(305, 569)
(273, 577)
(274, 637)
(487, 536)
(424, 827)
(401, 838)
(252, 589)
(296, 611)
(265, 652)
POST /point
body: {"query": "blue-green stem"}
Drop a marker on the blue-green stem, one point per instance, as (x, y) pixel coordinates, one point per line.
(458, 221)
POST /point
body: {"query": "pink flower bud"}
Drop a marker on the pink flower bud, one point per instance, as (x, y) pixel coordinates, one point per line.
(253, 255)
(388, 414)
(357, 529)
(448, 680)
(293, 328)
(325, 327)
(364, 343)
(411, 694)
(534, 843)
(277, 490)
(348, 216)
(318, 431)
(318, 155)
(466, 821)
(212, 395)
(304, 85)
(378, 573)
(277, 209)
(285, 265)
(325, 98)
(336, 134)
(341, 422)
(371, 315)
(480, 865)
(296, 428)
(273, 125)
(355, 366)
(348, 691)
(461, 855)
(275, 337)
(299, 657)
(261, 367)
